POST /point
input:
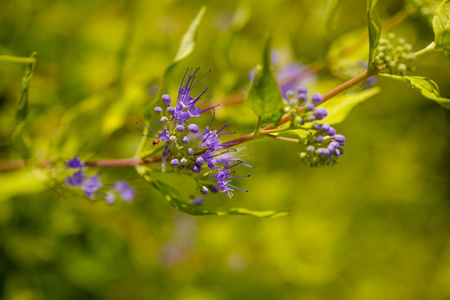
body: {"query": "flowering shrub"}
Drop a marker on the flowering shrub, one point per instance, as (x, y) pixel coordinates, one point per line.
(173, 137)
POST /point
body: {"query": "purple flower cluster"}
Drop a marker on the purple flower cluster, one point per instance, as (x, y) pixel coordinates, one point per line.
(322, 145)
(91, 184)
(188, 149)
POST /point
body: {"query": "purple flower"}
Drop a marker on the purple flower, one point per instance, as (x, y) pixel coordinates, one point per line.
(223, 181)
(229, 157)
(75, 163)
(126, 192)
(91, 185)
(186, 108)
(76, 180)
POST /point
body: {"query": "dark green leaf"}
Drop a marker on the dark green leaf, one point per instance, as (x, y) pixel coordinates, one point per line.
(339, 107)
(17, 141)
(441, 27)
(374, 25)
(264, 95)
(426, 86)
(174, 198)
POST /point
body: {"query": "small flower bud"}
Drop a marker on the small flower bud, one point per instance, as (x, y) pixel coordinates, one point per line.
(319, 139)
(213, 189)
(185, 140)
(163, 119)
(173, 138)
(190, 151)
(320, 113)
(316, 98)
(325, 127)
(310, 106)
(333, 145)
(166, 99)
(199, 161)
(331, 131)
(302, 90)
(317, 126)
(204, 190)
(183, 161)
(193, 128)
(171, 110)
(311, 118)
(290, 93)
(310, 149)
(196, 168)
(340, 139)
(180, 128)
(158, 110)
(174, 162)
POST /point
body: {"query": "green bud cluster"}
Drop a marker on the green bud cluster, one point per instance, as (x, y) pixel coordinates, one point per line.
(395, 53)
(425, 8)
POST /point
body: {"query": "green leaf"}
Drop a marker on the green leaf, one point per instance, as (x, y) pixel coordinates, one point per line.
(332, 7)
(441, 27)
(339, 107)
(174, 198)
(17, 141)
(426, 86)
(187, 45)
(188, 41)
(264, 95)
(374, 25)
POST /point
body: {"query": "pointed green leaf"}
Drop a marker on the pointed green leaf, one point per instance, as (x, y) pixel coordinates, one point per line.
(441, 27)
(339, 107)
(174, 198)
(17, 142)
(374, 26)
(187, 45)
(264, 95)
(188, 41)
(426, 86)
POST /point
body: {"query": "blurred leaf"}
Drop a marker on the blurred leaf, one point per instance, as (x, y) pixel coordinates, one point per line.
(18, 183)
(374, 25)
(332, 7)
(339, 107)
(426, 86)
(174, 198)
(188, 41)
(264, 95)
(17, 142)
(186, 47)
(441, 27)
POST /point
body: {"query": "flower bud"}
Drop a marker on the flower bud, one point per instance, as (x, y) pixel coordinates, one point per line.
(166, 99)
(193, 128)
(158, 110)
(174, 162)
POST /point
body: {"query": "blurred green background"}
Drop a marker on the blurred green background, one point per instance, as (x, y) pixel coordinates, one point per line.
(375, 226)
